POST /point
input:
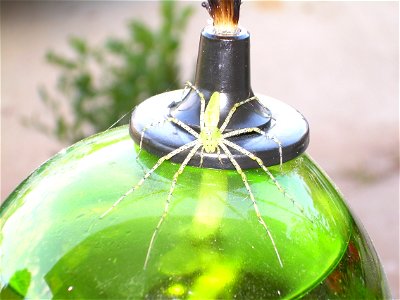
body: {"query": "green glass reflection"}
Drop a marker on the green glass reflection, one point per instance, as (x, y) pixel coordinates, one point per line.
(54, 245)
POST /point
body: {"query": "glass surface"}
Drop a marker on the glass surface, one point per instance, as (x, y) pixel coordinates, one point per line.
(53, 243)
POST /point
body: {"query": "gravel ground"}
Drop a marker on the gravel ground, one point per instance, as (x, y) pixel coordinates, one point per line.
(337, 62)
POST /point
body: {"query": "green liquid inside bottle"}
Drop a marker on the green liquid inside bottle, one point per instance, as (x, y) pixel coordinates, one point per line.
(54, 244)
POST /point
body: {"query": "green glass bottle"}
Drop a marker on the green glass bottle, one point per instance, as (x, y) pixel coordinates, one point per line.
(54, 244)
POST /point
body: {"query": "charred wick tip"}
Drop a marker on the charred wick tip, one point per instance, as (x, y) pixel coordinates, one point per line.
(225, 15)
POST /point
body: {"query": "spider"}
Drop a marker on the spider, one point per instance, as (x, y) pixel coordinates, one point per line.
(211, 139)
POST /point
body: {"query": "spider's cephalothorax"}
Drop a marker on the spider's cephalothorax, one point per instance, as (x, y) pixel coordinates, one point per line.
(211, 139)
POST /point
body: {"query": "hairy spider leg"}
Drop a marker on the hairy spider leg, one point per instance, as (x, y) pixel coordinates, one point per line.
(172, 119)
(233, 109)
(257, 130)
(244, 179)
(202, 103)
(261, 164)
(278, 142)
(185, 92)
(219, 156)
(168, 201)
(123, 116)
(168, 119)
(201, 157)
(159, 162)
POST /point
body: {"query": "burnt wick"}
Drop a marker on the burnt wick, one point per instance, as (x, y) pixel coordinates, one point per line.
(225, 15)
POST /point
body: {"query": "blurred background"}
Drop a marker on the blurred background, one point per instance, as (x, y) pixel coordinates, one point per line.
(336, 62)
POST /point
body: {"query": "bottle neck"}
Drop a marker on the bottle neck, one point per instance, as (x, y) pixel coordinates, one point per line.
(223, 65)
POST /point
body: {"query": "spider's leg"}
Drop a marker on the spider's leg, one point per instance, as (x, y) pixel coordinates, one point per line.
(143, 132)
(168, 201)
(123, 116)
(258, 130)
(242, 131)
(159, 162)
(261, 164)
(184, 126)
(278, 142)
(219, 156)
(202, 103)
(168, 119)
(244, 179)
(185, 92)
(201, 157)
(234, 108)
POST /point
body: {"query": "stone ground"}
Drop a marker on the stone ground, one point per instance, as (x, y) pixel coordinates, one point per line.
(337, 62)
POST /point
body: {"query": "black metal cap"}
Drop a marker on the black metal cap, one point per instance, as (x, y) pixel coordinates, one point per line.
(223, 65)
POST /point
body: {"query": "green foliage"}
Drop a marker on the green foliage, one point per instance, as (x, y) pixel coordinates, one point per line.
(100, 84)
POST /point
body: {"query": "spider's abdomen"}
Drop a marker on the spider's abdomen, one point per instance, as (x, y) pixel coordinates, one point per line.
(210, 137)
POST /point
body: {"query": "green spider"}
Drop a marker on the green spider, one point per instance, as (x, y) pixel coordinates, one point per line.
(211, 139)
